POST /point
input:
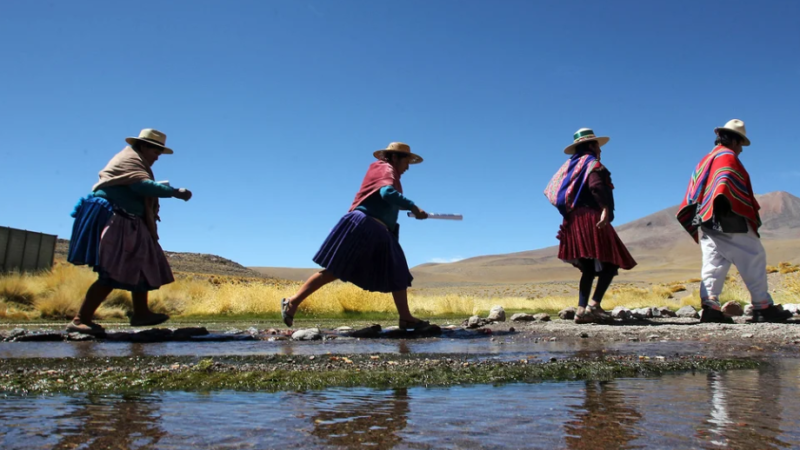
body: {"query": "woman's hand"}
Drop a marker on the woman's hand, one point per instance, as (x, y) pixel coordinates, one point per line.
(183, 194)
(603, 219)
(418, 213)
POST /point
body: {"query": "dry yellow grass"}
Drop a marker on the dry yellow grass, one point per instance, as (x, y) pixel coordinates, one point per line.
(57, 295)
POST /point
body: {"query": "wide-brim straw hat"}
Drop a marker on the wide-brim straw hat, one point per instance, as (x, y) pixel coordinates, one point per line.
(585, 135)
(399, 147)
(735, 126)
(153, 137)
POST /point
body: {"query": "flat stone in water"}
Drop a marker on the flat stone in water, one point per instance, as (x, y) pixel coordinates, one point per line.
(183, 334)
(373, 331)
(40, 337)
(79, 337)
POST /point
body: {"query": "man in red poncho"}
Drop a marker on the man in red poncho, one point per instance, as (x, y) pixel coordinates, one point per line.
(363, 248)
(720, 202)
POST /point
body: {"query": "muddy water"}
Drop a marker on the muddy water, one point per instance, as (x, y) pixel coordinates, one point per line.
(736, 409)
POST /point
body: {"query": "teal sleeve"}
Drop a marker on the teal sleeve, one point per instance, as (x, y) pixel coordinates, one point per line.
(393, 197)
(149, 188)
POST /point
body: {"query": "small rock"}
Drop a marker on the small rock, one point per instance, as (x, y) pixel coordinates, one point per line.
(522, 317)
(553, 339)
(621, 312)
(666, 312)
(732, 309)
(344, 329)
(542, 317)
(583, 335)
(655, 312)
(512, 329)
(252, 330)
(747, 336)
(567, 313)
(476, 322)
(688, 312)
(497, 314)
(748, 310)
(653, 337)
(309, 334)
(15, 333)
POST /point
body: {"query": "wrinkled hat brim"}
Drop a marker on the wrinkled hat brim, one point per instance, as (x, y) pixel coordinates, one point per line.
(602, 140)
(746, 142)
(413, 157)
(132, 140)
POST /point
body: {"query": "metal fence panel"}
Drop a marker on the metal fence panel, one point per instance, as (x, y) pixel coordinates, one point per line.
(26, 251)
(47, 252)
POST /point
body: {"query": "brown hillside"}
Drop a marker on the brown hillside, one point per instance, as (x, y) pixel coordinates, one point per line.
(189, 263)
(664, 251)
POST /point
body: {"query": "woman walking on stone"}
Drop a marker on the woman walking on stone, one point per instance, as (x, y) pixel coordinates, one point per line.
(583, 193)
(115, 232)
(363, 248)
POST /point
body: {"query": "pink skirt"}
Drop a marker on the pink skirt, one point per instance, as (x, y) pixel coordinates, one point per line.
(130, 258)
(581, 239)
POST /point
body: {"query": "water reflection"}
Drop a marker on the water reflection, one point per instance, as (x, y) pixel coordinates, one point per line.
(745, 410)
(738, 409)
(374, 418)
(605, 419)
(102, 422)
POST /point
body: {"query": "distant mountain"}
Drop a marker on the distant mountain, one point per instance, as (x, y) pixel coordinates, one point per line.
(664, 251)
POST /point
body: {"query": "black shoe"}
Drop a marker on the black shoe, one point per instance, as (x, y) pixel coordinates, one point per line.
(770, 315)
(710, 315)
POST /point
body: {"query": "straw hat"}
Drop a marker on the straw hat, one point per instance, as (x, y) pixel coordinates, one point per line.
(585, 135)
(153, 137)
(735, 126)
(399, 147)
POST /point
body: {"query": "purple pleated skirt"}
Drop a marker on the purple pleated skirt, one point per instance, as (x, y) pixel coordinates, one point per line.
(362, 251)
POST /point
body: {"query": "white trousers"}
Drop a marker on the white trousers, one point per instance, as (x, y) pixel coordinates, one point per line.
(745, 251)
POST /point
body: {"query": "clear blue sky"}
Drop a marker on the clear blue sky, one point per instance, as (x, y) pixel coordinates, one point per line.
(275, 107)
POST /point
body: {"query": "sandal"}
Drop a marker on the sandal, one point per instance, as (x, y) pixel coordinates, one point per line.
(413, 325)
(288, 319)
(149, 320)
(91, 328)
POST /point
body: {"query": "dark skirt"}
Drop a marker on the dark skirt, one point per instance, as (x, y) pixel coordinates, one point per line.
(362, 251)
(581, 239)
(118, 246)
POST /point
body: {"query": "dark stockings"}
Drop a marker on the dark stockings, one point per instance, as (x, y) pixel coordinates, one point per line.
(604, 279)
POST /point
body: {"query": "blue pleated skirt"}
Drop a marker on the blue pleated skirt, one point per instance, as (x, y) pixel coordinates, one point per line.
(118, 246)
(362, 251)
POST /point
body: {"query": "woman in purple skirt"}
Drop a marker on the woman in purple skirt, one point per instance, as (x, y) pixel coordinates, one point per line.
(363, 248)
